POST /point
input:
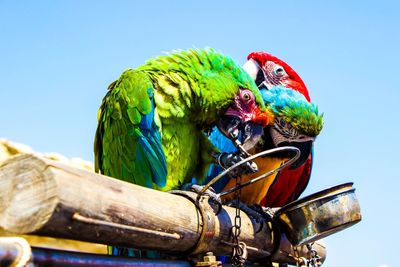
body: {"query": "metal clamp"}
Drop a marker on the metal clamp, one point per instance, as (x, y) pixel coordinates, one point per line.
(207, 222)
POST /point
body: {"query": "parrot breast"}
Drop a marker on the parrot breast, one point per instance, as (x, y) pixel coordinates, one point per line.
(254, 193)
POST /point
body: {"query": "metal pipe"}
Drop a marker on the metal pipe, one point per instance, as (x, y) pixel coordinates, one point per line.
(14, 251)
(50, 257)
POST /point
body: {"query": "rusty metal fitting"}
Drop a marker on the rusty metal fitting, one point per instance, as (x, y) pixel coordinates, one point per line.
(209, 260)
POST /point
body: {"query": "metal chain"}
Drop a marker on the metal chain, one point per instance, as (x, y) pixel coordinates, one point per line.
(296, 256)
(239, 252)
(314, 260)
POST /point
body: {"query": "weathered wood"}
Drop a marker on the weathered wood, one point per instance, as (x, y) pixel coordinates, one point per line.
(45, 197)
(41, 196)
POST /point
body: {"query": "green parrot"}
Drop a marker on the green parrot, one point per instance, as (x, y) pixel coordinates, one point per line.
(152, 123)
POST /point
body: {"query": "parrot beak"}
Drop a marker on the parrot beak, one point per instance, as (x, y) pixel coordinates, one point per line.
(305, 151)
(252, 134)
(230, 126)
(252, 68)
(257, 74)
(303, 142)
(247, 134)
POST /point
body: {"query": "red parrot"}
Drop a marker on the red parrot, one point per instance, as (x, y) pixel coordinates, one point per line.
(268, 71)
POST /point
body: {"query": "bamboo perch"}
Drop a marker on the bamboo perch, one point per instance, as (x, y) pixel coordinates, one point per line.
(43, 197)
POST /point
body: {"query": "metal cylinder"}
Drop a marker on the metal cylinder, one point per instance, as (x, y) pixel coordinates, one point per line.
(50, 257)
(14, 251)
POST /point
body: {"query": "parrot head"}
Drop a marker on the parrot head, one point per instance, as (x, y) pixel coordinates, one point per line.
(244, 119)
(296, 121)
(268, 70)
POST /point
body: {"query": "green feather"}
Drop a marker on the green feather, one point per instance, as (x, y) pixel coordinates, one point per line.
(179, 95)
(294, 109)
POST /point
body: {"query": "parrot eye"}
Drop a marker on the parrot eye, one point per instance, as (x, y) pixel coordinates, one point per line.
(280, 122)
(279, 70)
(246, 96)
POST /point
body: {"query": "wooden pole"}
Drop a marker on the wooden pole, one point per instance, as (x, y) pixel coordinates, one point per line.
(44, 197)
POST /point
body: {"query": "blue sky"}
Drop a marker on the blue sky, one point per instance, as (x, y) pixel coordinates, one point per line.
(58, 57)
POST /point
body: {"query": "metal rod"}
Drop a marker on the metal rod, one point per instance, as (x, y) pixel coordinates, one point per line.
(260, 154)
(239, 145)
(258, 178)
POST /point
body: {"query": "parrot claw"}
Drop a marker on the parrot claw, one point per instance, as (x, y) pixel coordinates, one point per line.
(210, 192)
(226, 160)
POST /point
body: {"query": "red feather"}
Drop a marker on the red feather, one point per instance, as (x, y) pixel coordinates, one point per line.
(297, 84)
(288, 185)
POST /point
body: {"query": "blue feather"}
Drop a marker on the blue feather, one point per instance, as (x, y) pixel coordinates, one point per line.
(278, 98)
(150, 145)
(223, 144)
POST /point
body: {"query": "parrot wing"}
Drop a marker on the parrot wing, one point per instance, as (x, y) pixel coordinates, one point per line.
(303, 180)
(128, 141)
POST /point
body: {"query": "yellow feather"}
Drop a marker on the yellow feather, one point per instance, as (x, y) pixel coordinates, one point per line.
(254, 193)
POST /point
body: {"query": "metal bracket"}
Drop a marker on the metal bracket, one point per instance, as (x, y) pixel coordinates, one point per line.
(207, 213)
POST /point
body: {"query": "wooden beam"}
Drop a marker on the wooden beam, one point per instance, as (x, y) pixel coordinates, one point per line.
(43, 197)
